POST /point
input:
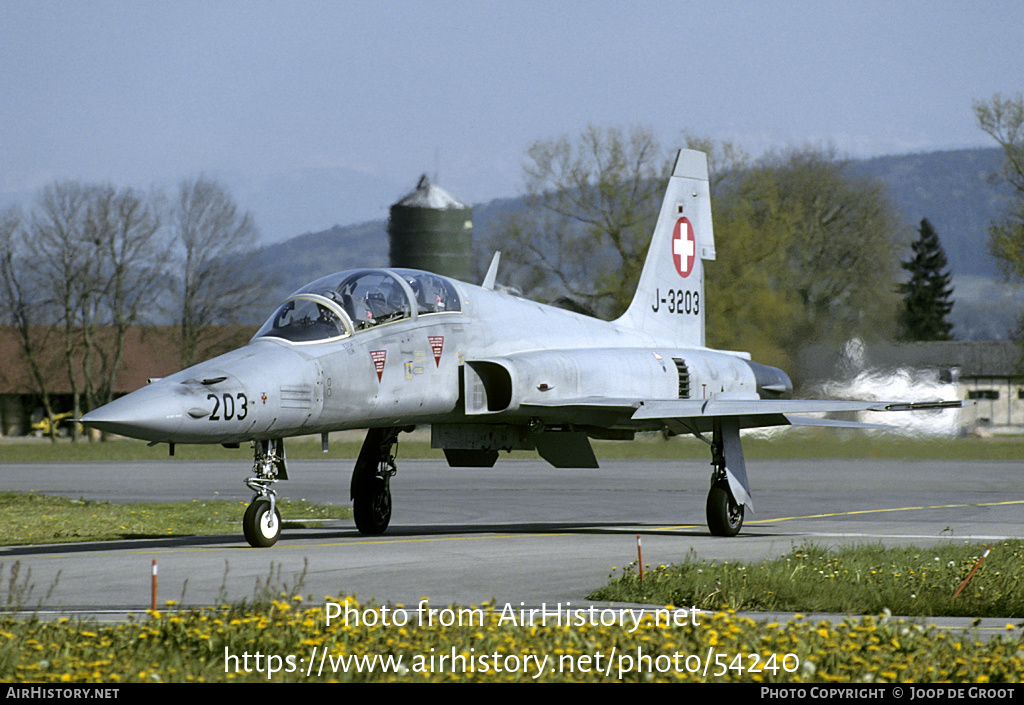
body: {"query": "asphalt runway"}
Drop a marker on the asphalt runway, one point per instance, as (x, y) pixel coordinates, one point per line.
(521, 532)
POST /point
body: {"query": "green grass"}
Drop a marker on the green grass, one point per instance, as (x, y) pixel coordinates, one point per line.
(788, 444)
(35, 518)
(865, 579)
(298, 643)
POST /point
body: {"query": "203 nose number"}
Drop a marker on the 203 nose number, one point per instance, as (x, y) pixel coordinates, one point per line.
(229, 406)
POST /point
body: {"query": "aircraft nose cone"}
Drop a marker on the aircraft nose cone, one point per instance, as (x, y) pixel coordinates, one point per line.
(149, 413)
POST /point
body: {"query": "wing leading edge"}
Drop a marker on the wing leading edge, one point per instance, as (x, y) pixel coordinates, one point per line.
(717, 407)
(749, 413)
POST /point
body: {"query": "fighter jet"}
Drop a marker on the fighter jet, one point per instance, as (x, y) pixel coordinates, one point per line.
(391, 349)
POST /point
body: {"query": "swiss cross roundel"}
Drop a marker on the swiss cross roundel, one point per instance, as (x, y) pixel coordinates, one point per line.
(684, 247)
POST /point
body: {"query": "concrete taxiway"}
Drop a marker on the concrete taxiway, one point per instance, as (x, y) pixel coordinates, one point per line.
(521, 532)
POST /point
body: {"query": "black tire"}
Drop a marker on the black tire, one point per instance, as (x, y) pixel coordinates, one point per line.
(260, 528)
(725, 517)
(371, 507)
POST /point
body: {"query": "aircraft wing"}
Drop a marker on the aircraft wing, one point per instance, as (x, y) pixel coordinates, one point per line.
(747, 407)
(749, 413)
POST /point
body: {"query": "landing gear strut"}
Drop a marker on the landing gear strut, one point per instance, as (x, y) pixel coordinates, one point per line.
(724, 512)
(261, 523)
(371, 481)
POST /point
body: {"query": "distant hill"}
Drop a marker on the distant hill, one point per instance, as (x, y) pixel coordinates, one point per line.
(310, 256)
(952, 189)
(298, 261)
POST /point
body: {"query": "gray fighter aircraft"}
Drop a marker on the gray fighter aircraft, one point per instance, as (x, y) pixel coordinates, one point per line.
(391, 349)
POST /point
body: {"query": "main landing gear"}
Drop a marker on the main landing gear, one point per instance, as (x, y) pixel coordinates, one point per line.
(724, 512)
(371, 481)
(725, 517)
(261, 523)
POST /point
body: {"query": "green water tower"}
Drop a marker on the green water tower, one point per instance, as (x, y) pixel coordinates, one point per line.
(432, 230)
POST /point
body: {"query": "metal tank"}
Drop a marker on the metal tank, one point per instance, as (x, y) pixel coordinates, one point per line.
(432, 230)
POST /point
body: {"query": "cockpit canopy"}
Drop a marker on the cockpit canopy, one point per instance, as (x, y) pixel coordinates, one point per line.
(348, 302)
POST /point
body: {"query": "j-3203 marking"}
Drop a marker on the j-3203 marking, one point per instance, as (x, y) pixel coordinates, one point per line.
(677, 301)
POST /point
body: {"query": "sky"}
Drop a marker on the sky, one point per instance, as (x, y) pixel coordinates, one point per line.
(324, 113)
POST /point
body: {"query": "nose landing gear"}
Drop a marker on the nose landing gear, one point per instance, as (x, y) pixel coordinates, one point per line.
(261, 523)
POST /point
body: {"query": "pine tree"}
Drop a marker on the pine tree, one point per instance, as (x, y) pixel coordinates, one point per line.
(927, 296)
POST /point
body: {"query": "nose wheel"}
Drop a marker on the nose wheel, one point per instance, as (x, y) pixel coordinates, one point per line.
(261, 523)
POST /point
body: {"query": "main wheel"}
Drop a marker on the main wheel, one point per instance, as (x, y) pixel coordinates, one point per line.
(262, 528)
(372, 507)
(725, 517)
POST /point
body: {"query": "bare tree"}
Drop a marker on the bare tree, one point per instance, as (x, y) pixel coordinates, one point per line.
(592, 205)
(67, 266)
(216, 243)
(131, 263)
(25, 308)
(75, 277)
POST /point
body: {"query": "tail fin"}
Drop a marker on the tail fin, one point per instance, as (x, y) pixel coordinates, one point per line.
(669, 299)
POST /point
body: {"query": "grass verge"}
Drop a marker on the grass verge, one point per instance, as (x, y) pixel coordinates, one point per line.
(30, 518)
(867, 579)
(288, 639)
